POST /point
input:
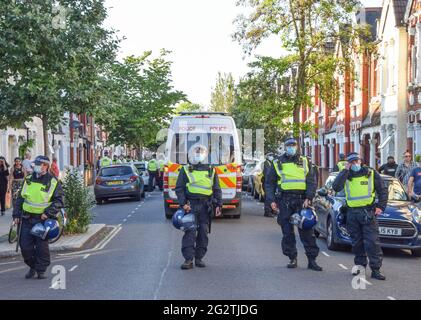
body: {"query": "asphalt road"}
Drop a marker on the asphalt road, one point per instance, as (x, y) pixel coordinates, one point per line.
(142, 261)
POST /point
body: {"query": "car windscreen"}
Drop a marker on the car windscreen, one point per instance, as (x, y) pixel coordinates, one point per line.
(396, 191)
(116, 171)
(140, 167)
(249, 167)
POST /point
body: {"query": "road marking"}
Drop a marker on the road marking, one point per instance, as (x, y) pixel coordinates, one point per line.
(125, 220)
(325, 254)
(391, 298)
(129, 216)
(342, 266)
(86, 256)
(366, 281)
(13, 269)
(132, 212)
(73, 269)
(136, 209)
(54, 285)
(162, 276)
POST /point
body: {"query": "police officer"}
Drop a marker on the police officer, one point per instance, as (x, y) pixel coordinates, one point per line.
(40, 198)
(294, 178)
(116, 160)
(266, 169)
(161, 165)
(153, 173)
(197, 189)
(341, 164)
(361, 184)
(105, 161)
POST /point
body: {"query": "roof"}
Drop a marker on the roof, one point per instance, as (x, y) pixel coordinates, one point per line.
(372, 15)
(399, 7)
(373, 119)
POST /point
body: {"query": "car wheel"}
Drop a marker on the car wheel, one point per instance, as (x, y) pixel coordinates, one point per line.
(98, 201)
(331, 244)
(416, 252)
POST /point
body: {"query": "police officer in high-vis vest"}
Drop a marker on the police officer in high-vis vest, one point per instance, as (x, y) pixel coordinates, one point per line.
(40, 198)
(361, 184)
(105, 161)
(197, 190)
(161, 165)
(341, 164)
(153, 173)
(294, 179)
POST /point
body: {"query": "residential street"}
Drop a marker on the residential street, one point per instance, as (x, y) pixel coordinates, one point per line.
(142, 261)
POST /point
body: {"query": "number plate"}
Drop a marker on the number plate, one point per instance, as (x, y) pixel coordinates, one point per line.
(114, 183)
(390, 231)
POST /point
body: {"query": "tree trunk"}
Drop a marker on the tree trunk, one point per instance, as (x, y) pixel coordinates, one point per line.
(45, 135)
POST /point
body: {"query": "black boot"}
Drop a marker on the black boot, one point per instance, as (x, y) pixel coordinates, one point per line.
(292, 264)
(41, 275)
(30, 274)
(376, 274)
(312, 265)
(188, 264)
(268, 215)
(199, 263)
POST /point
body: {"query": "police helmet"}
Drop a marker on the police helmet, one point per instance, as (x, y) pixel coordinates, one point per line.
(50, 229)
(42, 160)
(291, 142)
(306, 219)
(184, 221)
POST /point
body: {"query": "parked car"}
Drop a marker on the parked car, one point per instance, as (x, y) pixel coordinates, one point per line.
(248, 168)
(255, 183)
(119, 181)
(141, 167)
(399, 225)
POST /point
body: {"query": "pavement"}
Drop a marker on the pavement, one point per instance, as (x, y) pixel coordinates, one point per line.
(141, 259)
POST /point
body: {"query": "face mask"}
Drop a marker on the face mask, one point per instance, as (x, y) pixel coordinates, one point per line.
(355, 167)
(270, 158)
(37, 169)
(199, 157)
(292, 151)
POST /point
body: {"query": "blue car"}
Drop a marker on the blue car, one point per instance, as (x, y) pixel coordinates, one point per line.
(399, 225)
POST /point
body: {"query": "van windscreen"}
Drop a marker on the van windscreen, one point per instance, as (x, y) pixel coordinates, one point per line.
(220, 147)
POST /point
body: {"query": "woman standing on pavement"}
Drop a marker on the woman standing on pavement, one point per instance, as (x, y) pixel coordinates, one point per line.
(4, 183)
(16, 179)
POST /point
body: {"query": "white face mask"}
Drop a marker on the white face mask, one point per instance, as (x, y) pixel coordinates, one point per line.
(199, 158)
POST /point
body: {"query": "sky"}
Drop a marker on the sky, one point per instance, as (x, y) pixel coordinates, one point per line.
(199, 34)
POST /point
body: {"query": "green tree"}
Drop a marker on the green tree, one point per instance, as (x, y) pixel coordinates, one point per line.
(52, 54)
(187, 107)
(223, 95)
(142, 100)
(309, 31)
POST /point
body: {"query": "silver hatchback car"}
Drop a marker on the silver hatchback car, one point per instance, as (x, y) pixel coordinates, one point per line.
(119, 181)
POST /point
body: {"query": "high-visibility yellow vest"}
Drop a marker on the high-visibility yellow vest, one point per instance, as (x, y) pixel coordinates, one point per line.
(153, 165)
(292, 176)
(199, 181)
(341, 165)
(105, 162)
(359, 191)
(36, 196)
(161, 165)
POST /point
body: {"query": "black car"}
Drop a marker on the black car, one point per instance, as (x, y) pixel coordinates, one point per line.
(399, 224)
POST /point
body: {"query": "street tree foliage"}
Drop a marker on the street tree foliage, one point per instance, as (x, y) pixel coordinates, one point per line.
(187, 107)
(141, 100)
(52, 54)
(223, 95)
(263, 100)
(309, 30)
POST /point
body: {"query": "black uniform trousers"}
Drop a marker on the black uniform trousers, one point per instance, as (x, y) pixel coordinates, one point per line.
(161, 180)
(289, 204)
(153, 178)
(35, 251)
(195, 243)
(363, 228)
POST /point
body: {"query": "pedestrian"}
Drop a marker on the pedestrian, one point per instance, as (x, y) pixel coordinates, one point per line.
(27, 163)
(116, 160)
(390, 167)
(266, 169)
(404, 169)
(153, 173)
(16, 179)
(105, 161)
(294, 179)
(197, 188)
(4, 183)
(341, 164)
(414, 183)
(40, 199)
(161, 164)
(55, 171)
(361, 185)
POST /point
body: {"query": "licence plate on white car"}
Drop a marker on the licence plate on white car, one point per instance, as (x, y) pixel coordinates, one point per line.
(390, 231)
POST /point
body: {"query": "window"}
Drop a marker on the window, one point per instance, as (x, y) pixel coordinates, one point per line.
(116, 171)
(396, 191)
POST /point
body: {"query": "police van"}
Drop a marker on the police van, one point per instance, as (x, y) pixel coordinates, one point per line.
(218, 133)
